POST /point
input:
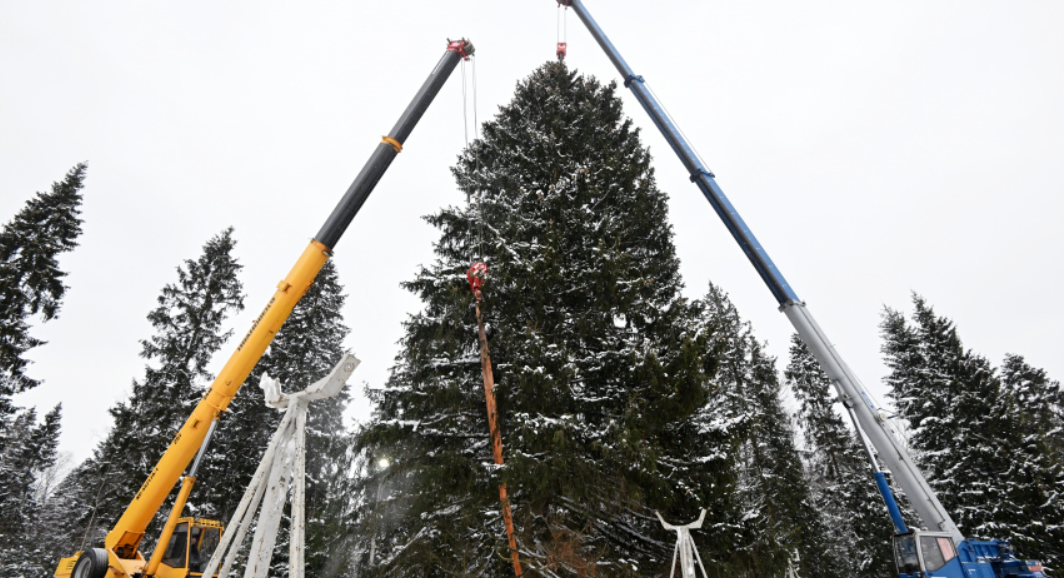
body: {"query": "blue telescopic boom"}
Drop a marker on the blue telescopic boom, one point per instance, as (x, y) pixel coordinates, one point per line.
(868, 418)
(700, 175)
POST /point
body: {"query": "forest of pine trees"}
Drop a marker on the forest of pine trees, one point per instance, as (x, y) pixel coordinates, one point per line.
(618, 396)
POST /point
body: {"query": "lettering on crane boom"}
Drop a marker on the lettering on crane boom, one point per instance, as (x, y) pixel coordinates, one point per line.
(256, 323)
(146, 482)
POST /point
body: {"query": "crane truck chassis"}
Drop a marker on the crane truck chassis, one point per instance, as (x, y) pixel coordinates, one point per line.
(941, 551)
(120, 556)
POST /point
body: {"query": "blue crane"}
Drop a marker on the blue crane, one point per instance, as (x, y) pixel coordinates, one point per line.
(941, 549)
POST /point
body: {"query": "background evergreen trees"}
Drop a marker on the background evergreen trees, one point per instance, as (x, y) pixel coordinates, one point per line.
(30, 451)
(780, 523)
(988, 443)
(189, 324)
(839, 476)
(31, 282)
(189, 330)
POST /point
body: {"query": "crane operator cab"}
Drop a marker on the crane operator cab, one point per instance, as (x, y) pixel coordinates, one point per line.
(191, 547)
(920, 554)
(926, 554)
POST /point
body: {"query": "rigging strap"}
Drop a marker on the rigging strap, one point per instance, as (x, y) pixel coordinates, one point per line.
(563, 29)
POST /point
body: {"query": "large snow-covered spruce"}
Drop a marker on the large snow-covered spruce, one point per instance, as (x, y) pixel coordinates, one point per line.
(602, 369)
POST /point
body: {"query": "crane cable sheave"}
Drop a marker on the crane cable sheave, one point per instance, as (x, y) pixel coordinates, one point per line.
(563, 31)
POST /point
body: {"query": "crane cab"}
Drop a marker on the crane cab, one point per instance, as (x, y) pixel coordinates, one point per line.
(190, 548)
(926, 554)
(920, 554)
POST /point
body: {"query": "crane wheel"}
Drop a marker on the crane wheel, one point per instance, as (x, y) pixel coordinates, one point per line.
(91, 564)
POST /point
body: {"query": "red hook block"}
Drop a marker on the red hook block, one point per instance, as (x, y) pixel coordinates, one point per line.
(477, 274)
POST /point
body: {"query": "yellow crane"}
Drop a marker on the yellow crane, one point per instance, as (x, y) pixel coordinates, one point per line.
(187, 541)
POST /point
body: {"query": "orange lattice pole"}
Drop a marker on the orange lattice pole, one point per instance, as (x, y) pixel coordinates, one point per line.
(476, 275)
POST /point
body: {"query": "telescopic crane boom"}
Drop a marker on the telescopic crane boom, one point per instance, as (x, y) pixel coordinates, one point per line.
(120, 556)
(979, 559)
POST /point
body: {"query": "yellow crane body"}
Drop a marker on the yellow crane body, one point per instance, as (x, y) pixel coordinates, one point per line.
(120, 556)
(127, 533)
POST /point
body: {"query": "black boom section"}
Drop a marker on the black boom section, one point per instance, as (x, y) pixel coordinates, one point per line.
(385, 153)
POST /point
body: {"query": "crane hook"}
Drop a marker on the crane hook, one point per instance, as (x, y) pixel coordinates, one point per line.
(477, 274)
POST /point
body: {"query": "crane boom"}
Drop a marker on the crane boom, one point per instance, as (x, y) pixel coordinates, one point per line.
(124, 539)
(849, 388)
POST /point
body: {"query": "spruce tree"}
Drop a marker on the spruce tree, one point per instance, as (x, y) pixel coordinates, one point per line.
(1040, 402)
(189, 330)
(1034, 514)
(602, 369)
(780, 521)
(840, 478)
(970, 435)
(32, 451)
(31, 282)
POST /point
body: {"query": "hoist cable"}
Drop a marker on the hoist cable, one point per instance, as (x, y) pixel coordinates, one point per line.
(477, 274)
(677, 125)
(563, 24)
(476, 167)
(465, 119)
(561, 31)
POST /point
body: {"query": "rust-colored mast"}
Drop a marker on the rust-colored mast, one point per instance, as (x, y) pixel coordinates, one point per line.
(476, 275)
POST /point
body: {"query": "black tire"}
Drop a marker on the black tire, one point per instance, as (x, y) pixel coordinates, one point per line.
(91, 564)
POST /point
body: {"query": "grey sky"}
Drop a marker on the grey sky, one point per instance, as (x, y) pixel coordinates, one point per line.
(874, 149)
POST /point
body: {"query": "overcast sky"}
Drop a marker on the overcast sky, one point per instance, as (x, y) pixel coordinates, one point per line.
(874, 148)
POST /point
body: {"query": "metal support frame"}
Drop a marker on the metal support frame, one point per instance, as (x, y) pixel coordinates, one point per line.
(685, 552)
(283, 465)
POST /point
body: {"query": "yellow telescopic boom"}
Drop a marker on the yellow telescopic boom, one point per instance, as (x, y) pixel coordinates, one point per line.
(124, 539)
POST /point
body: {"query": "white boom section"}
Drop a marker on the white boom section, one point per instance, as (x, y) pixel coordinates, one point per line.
(872, 422)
